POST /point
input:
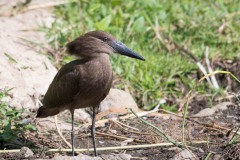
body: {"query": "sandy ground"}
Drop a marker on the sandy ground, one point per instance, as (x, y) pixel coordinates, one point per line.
(24, 67)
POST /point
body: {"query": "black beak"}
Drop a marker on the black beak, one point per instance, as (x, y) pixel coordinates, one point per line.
(121, 48)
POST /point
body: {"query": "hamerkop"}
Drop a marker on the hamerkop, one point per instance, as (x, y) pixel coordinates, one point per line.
(84, 82)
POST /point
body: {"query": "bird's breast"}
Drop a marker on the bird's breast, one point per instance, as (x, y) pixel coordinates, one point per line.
(95, 82)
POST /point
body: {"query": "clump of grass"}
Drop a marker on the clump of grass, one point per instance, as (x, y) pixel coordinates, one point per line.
(11, 125)
(166, 73)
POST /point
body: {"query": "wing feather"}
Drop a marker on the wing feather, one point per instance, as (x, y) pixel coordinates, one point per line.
(65, 85)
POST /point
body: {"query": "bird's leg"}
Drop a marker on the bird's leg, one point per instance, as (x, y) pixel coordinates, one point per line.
(93, 130)
(72, 132)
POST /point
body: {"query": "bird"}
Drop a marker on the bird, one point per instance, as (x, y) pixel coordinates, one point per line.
(86, 81)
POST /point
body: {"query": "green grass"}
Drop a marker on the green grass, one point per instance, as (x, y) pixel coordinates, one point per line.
(195, 24)
(12, 125)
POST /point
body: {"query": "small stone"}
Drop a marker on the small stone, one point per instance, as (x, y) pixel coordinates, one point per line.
(201, 150)
(26, 152)
(117, 156)
(118, 99)
(205, 112)
(210, 111)
(217, 157)
(79, 157)
(184, 154)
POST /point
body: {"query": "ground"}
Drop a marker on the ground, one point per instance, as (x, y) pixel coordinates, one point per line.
(203, 135)
(209, 130)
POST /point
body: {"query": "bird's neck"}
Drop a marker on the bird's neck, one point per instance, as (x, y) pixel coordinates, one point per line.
(101, 70)
(100, 63)
(98, 57)
(103, 61)
(102, 58)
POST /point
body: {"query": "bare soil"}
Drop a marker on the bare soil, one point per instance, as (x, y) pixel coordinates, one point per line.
(218, 129)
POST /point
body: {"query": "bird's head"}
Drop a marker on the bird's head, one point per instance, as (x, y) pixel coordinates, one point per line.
(94, 43)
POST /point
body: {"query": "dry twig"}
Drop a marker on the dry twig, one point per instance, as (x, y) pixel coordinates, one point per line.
(60, 133)
(110, 148)
(122, 124)
(118, 137)
(158, 131)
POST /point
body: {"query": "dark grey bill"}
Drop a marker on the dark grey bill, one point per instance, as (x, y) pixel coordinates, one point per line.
(121, 48)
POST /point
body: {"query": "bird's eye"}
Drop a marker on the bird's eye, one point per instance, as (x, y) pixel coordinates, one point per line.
(105, 39)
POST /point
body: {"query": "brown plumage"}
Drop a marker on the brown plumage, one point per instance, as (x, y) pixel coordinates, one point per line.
(86, 81)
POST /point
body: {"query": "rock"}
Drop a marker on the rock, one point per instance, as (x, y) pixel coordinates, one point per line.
(26, 152)
(79, 157)
(118, 99)
(117, 156)
(184, 154)
(205, 112)
(217, 157)
(210, 111)
(47, 124)
(82, 116)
